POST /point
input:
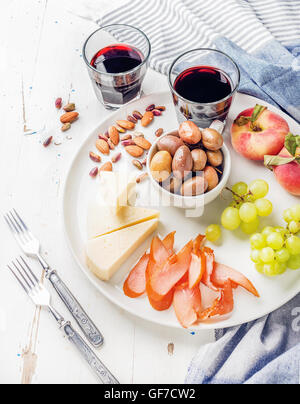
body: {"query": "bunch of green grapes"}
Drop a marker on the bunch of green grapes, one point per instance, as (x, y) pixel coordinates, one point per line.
(248, 205)
(278, 248)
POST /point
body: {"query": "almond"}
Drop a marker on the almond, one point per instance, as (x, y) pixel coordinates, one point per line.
(134, 151)
(142, 142)
(102, 146)
(147, 118)
(106, 167)
(126, 125)
(69, 117)
(114, 135)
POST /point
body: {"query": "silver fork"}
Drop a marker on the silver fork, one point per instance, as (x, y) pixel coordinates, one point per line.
(41, 297)
(31, 247)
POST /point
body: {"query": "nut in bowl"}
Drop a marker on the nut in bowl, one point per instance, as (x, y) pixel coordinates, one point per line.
(190, 167)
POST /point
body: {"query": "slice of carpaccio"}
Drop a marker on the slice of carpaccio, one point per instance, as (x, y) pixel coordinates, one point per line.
(209, 268)
(170, 273)
(135, 284)
(223, 273)
(197, 269)
(222, 306)
(187, 304)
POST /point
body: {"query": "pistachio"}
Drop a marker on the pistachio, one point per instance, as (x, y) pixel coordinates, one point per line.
(66, 127)
(70, 107)
(131, 119)
(117, 157)
(48, 141)
(150, 108)
(159, 132)
(137, 164)
(137, 115)
(95, 157)
(58, 103)
(141, 178)
(94, 172)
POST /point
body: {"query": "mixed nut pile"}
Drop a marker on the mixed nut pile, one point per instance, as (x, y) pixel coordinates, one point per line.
(134, 144)
(189, 162)
(69, 117)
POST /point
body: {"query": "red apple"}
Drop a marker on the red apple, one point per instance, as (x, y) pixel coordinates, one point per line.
(265, 136)
(288, 175)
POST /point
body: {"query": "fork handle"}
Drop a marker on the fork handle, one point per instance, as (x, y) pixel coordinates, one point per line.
(97, 366)
(85, 323)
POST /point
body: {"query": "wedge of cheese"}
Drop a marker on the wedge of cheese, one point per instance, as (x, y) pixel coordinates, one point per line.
(102, 220)
(106, 254)
(117, 188)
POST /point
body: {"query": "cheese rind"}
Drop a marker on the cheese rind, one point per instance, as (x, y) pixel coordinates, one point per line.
(106, 254)
(102, 220)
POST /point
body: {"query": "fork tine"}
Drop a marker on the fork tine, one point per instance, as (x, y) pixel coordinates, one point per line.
(20, 220)
(18, 279)
(36, 281)
(11, 224)
(21, 230)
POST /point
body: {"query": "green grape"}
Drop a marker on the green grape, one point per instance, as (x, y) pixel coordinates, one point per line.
(259, 189)
(248, 212)
(259, 268)
(287, 215)
(275, 241)
(295, 213)
(250, 228)
(264, 207)
(267, 230)
(280, 267)
(241, 189)
(274, 269)
(267, 255)
(281, 230)
(258, 241)
(213, 233)
(255, 256)
(269, 269)
(293, 245)
(249, 198)
(294, 227)
(294, 262)
(231, 218)
(282, 255)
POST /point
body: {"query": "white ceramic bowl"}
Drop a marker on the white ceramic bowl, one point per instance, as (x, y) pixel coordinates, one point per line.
(189, 202)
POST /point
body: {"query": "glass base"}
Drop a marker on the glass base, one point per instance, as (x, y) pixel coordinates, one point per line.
(115, 107)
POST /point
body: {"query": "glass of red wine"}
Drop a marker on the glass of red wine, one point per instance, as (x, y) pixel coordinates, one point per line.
(203, 83)
(117, 57)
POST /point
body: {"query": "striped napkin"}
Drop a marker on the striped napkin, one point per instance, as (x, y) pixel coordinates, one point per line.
(263, 37)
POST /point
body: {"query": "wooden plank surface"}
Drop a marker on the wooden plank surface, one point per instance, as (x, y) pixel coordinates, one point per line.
(41, 60)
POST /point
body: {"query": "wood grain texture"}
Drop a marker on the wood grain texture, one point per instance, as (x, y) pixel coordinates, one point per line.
(41, 60)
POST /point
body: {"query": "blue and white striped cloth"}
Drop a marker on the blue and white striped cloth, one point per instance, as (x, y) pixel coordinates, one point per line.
(263, 37)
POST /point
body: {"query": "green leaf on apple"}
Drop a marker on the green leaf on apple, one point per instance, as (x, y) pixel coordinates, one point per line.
(243, 120)
(271, 161)
(292, 143)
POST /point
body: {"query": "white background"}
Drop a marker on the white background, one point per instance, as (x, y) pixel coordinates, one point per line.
(40, 60)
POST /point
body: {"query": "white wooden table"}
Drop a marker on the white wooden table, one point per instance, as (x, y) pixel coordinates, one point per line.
(41, 60)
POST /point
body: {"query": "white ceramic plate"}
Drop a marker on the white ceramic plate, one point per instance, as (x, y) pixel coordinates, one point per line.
(234, 249)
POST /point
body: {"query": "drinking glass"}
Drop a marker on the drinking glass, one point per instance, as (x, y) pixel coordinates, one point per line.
(217, 62)
(114, 87)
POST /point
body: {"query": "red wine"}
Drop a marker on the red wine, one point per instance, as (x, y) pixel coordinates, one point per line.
(123, 84)
(117, 59)
(203, 84)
